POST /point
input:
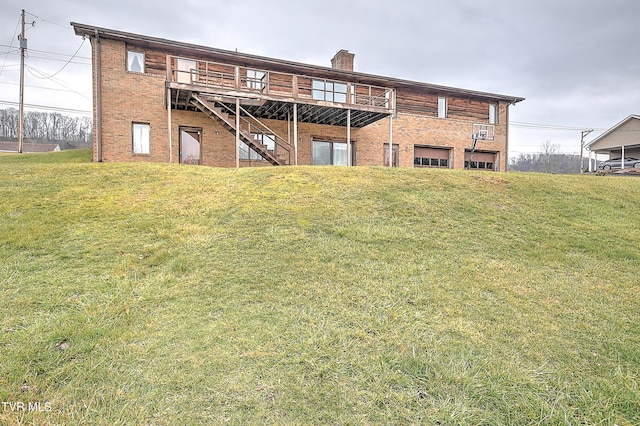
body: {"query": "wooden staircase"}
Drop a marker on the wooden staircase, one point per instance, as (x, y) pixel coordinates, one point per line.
(216, 113)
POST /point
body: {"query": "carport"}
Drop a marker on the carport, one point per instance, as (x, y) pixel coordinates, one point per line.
(620, 141)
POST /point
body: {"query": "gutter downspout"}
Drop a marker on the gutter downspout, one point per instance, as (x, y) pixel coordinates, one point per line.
(98, 100)
(506, 146)
(169, 121)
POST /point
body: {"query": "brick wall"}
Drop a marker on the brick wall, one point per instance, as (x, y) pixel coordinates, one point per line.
(128, 98)
(410, 130)
(132, 97)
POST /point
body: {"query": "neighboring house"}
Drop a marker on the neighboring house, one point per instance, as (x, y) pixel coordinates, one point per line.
(167, 101)
(28, 146)
(620, 141)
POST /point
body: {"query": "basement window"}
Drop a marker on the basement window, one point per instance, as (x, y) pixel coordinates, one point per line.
(140, 137)
(135, 61)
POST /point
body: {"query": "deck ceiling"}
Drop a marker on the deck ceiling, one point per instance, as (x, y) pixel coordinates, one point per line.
(283, 110)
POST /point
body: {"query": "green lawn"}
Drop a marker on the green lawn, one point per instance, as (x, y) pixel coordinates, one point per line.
(177, 295)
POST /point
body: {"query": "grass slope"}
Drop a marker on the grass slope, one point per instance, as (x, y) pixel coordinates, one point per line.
(165, 294)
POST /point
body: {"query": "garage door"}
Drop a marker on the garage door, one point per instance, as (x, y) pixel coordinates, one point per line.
(481, 160)
(431, 157)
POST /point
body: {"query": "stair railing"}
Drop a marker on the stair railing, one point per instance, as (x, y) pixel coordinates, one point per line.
(280, 142)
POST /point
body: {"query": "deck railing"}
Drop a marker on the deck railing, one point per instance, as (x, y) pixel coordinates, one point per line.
(224, 78)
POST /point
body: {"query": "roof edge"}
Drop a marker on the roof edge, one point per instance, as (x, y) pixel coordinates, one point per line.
(91, 31)
(613, 129)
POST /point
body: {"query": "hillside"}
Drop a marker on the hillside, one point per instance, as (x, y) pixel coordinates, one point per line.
(166, 294)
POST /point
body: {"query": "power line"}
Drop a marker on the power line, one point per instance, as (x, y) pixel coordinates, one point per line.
(68, 62)
(48, 108)
(10, 46)
(58, 54)
(55, 80)
(40, 87)
(46, 20)
(59, 60)
(17, 52)
(48, 52)
(548, 126)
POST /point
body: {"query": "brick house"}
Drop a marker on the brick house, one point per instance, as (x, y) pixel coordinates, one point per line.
(167, 101)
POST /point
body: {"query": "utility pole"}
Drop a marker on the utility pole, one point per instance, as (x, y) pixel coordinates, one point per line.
(23, 47)
(582, 135)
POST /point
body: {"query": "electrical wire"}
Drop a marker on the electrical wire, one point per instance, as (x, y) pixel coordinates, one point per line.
(10, 46)
(46, 51)
(55, 80)
(550, 126)
(16, 52)
(46, 20)
(532, 126)
(48, 108)
(65, 65)
(59, 54)
(38, 87)
(59, 60)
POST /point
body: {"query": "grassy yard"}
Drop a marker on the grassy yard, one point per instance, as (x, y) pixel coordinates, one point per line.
(165, 294)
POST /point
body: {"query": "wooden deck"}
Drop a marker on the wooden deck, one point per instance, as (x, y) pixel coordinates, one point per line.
(270, 95)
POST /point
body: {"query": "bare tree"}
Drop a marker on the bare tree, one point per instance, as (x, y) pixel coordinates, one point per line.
(69, 132)
(549, 156)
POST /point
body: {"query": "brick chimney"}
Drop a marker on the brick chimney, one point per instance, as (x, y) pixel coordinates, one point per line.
(343, 60)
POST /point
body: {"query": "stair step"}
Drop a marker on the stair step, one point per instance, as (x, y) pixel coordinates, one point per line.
(228, 122)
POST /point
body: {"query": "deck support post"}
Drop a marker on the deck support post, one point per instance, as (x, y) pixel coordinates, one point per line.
(237, 133)
(390, 140)
(295, 133)
(169, 125)
(349, 154)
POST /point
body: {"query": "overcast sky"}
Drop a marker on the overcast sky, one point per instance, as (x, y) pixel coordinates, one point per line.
(576, 62)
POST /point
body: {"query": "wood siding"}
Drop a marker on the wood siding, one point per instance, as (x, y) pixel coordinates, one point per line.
(458, 108)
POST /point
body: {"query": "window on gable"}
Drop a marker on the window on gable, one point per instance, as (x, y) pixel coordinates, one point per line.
(140, 136)
(326, 90)
(442, 107)
(493, 114)
(135, 61)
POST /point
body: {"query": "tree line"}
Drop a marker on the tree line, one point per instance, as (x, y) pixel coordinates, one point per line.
(549, 160)
(47, 127)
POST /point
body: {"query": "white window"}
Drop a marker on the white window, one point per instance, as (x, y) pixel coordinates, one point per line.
(135, 61)
(332, 91)
(247, 153)
(493, 114)
(256, 79)
(331, 153)
(186, 71)
(442, 107)
(140, 138)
